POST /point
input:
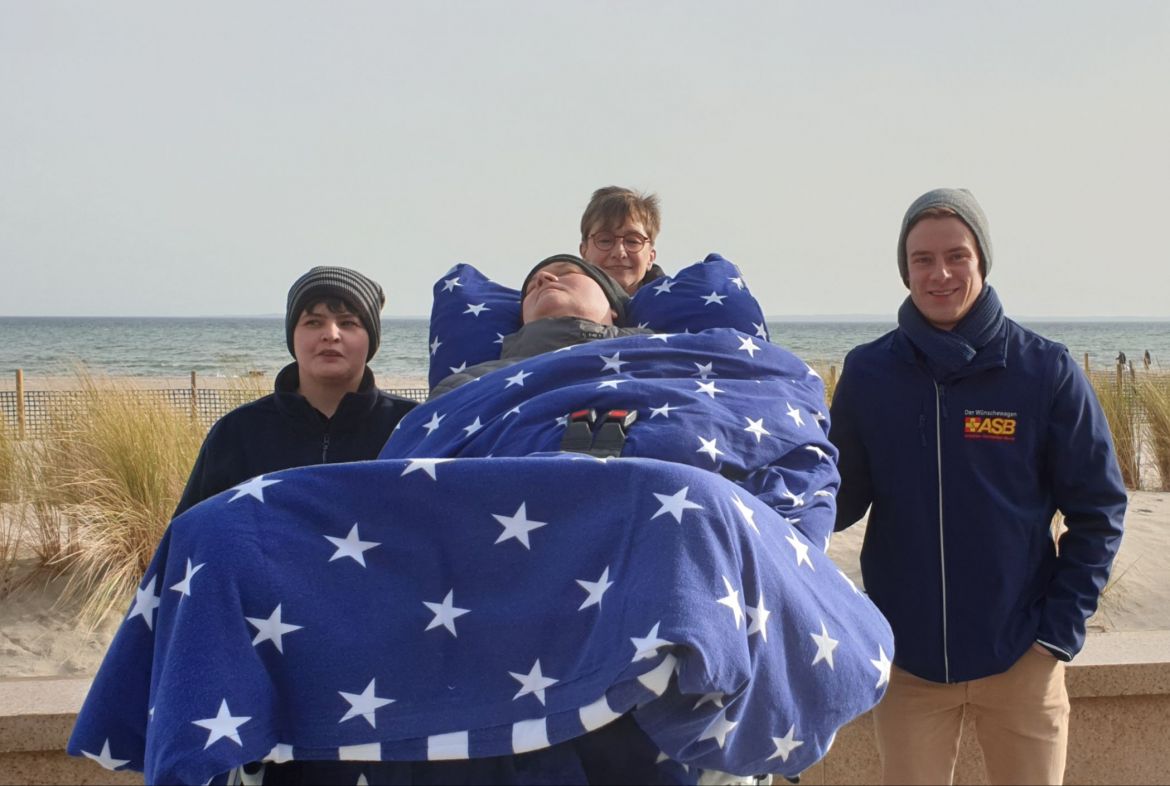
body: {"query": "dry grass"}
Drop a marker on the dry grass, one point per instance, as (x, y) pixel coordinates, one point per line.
(106, 480)
(1154, 395)
(9, 467)
(1118, 403)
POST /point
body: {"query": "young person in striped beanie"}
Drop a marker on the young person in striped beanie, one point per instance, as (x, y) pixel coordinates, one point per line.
(326, 407)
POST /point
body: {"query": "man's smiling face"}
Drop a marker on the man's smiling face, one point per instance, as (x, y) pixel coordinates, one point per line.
(942, 258)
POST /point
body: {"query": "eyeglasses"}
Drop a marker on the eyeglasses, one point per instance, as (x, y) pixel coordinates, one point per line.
(632, 243)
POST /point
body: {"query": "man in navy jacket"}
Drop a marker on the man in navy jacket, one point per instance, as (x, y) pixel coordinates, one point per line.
(966, 432)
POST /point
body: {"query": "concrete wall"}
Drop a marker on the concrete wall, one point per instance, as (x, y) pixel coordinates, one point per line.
(1120, 729)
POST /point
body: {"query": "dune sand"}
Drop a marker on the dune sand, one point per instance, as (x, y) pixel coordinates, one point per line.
(40, 636)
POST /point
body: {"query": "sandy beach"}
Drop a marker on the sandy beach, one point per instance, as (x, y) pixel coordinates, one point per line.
(40, 636)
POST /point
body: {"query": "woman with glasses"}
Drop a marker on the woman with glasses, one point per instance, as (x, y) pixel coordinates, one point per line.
(618, 230)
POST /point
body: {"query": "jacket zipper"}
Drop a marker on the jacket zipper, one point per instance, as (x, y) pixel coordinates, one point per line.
(938, 409)
(325, 449)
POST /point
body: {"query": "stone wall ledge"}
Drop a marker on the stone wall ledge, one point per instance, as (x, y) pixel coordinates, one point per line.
(37, 716)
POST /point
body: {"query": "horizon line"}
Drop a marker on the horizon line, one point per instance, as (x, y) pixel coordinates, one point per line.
(845, 317)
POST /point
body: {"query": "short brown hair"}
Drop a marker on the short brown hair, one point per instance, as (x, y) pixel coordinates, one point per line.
(609, 208)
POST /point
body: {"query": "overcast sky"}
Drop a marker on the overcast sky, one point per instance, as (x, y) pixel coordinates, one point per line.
(193, 159)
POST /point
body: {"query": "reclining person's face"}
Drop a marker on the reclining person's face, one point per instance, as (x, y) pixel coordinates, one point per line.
(563, 290)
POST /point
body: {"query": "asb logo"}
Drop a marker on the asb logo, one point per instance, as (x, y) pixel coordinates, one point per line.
(979, 424)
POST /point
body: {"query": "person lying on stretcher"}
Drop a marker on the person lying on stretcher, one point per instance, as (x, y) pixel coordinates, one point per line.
(566, 301)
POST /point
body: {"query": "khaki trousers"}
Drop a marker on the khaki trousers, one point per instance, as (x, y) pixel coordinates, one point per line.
(1021, 721)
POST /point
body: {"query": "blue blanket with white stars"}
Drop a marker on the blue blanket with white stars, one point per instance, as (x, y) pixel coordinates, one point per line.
(476, 593)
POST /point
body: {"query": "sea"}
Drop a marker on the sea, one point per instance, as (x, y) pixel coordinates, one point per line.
(238, 346)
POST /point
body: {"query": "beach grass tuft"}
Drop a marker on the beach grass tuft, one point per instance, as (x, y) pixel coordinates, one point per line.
(110, 473)
(1154, 394)
(1119, 403)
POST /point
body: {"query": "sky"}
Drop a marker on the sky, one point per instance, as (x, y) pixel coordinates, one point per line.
(164, 159)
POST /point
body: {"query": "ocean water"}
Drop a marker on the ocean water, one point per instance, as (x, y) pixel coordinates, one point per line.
(230, 347)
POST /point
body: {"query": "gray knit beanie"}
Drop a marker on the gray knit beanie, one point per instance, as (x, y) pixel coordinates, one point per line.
(964, 204)
(617, 297)
(361, 294)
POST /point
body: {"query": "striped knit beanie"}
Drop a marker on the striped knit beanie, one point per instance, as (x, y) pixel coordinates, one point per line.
(361, 294)
(964, 204)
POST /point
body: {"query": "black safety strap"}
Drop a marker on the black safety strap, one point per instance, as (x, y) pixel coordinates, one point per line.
(584, 433)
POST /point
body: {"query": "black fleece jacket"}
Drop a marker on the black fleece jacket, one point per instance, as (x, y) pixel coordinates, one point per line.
(283, 430)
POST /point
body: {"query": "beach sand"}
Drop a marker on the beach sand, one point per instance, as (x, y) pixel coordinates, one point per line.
(40, 636)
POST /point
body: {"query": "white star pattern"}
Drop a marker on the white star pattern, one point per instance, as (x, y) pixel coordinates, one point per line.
(801, 549)
(271, 629)
(364, 704)
(731, 601)
(476, 309)
(518, 525)
(458, 369)
(513, 411)
(427, 465)
(737, 281)
(351, 546)
(822, 455)
(563, 420)
(704, 370)
(435, 346)
(709, 447)
(761, 331)
(433, 423)
(708, 388)
(748, 346)
(797, 499)
(675, 504)
(613, 363)
(665, 286)
(646, 647)
(533, 682)
(664, 411)
(759, 618)
(450, 284)
(812, 372)
(748, 514)
(714, 297)
(663, 337)
(445, 613)
(713, 698)
(499, 338)
(719, 729)
(757, 427)
(223, 725)
(184, 586)
(474, 427)
(105, 758)
(612, 383)
(785, 745)
(882, 664)
(518, 378)
(595, 589)
(145, 602)
(253, 488)
(794, 413)
(852, 586)
(825, 646)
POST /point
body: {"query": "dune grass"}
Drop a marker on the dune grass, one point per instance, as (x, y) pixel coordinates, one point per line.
(1154, 394)
(106, 479)
(9, 470)
(1121, 411)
